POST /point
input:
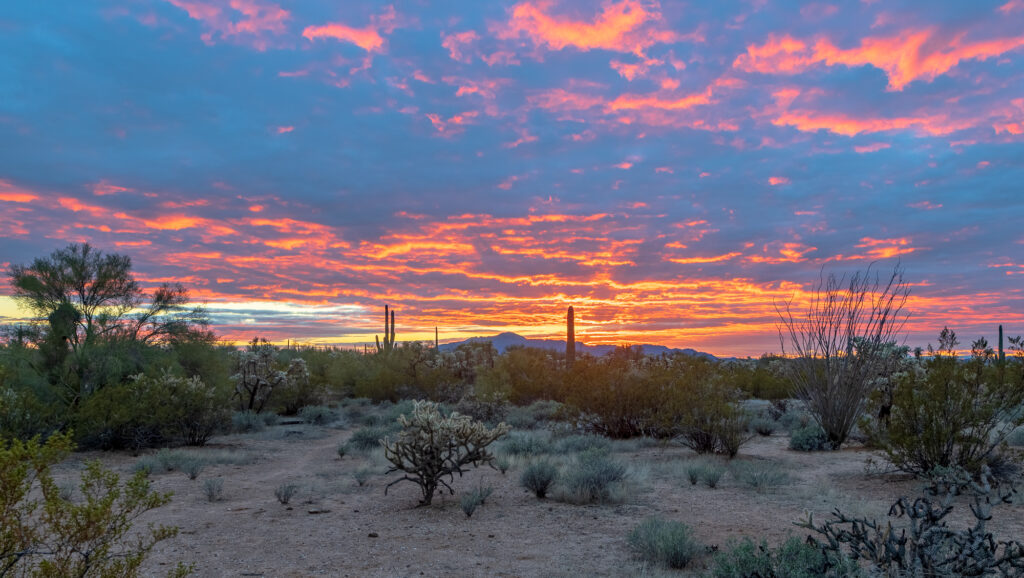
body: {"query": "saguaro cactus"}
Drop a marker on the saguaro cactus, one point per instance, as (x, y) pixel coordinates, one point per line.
(389, 340)
(1002, 356)
(570, 342)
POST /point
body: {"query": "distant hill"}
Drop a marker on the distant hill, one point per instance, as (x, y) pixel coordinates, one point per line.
(503, 341)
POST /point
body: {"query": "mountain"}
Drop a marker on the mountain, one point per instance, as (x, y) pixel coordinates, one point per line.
(503, 341)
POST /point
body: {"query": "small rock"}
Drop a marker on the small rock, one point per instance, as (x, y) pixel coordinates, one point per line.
(318, 511)
(373, 535)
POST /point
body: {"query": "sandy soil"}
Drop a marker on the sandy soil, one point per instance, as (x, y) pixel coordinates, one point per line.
(334, 527)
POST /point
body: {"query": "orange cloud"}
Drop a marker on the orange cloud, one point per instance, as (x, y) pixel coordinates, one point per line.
(634, 102)
(775, 181)
(624, 26)
(12, 194)
(105, 188)
(457, 43)
(908, 56)
(847, 125)
(244, 20)
(370, 37)
(698, 260)
(284, 129)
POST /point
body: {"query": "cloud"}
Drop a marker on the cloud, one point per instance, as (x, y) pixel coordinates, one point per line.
(252, 22)
(914, 54)
(370, 38)
(623, 26)
(457, 42)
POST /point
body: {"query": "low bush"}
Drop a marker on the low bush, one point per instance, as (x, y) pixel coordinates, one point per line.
(711, 473)
(284, 492)
(317, 414)
(44, 534)
(503, 463)
(525, 444)
(664, 542)
(533, 416)
(593, 477)
(810, 438)
(362, 475)
(759, 475)
(952, 414)
(582, 443)
(1016, 437)
(247, 421)
(538, 477)
(793, 559)
(367, 438)
(151, 411)
(213, 488)
(470, 501)
(763, 426)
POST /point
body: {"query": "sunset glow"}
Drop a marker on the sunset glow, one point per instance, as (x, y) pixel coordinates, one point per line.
(673, 171)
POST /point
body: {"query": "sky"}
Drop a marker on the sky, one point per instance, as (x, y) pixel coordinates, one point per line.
(672, 170)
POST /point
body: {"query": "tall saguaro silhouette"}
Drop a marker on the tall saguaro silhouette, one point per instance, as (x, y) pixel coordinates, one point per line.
(570, 342)
(389, 340)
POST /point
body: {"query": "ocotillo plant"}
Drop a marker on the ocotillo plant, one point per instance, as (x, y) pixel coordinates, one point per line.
(389, 340)
(570, 342)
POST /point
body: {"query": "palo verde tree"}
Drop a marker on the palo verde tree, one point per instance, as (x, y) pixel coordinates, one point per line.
(86, 300)
(843, 343)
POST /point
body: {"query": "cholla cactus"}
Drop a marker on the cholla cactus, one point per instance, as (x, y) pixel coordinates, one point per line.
(256, 377)
(432, 447)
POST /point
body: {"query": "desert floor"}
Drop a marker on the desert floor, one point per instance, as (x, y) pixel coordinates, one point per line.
(335, 527)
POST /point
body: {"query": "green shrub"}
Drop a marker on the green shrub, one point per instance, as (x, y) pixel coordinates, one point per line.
(367, 438)
(191, 467)
(317, 414)
(149, 411)
(538, 478)
(714, 422)
(947, 413)
(44, 534)
(581, 443)
(342, 449)
(810, 438)
(503, 463)
(525, 444)
(362, 475)
(664, 542)
(593, 477)
(247, 421)
(213, 488)
(284, 492)
(533, 416)
(693, 471)
(794, 419)
(793, 559)
(472, 500)
(711, 473)
(763, 426)
(759, 475)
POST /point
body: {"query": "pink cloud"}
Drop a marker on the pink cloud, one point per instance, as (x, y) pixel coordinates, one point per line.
(776, 181)
(250, 22)
(457, 43)
(370, 37)
(623, 26)
(905, 57)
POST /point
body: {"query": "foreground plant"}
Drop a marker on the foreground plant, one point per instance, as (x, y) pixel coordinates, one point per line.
(928, 546)
(431, 447)
(55, 537)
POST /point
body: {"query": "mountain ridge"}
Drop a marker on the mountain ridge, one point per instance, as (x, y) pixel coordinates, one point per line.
(503, 341)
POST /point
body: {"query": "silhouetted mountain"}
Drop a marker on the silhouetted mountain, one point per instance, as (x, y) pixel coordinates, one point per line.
(503, 341)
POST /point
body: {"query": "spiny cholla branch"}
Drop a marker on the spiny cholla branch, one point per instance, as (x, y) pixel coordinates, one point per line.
(432, 447)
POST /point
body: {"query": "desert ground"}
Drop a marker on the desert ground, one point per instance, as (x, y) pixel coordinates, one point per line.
(335, 526)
